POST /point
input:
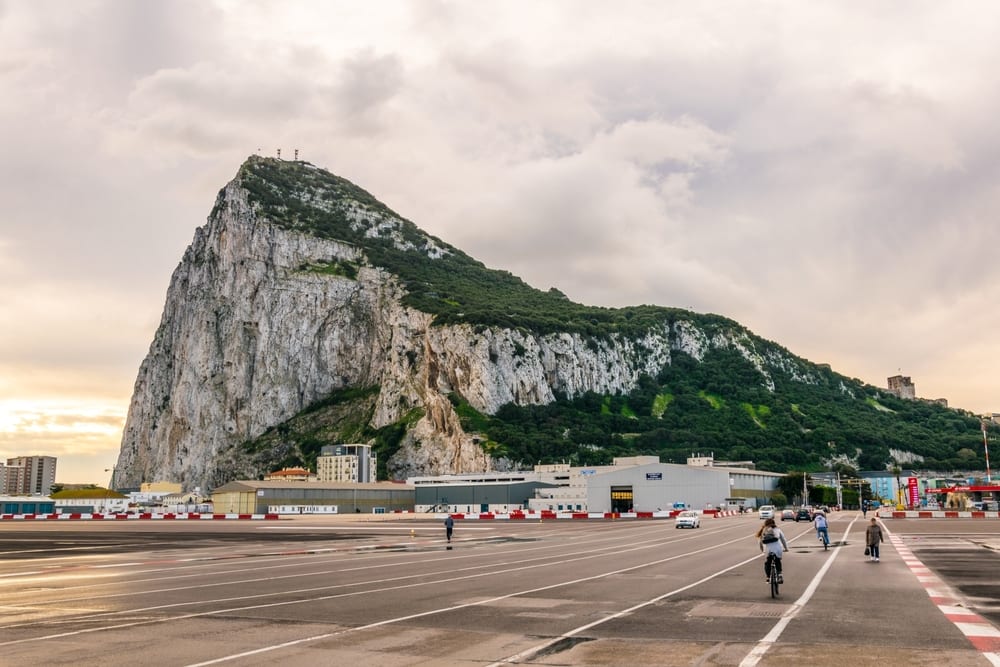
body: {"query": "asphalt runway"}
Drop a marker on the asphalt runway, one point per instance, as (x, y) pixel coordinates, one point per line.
(338, 591)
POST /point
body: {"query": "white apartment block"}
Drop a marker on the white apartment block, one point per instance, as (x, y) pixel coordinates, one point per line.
(346, 463)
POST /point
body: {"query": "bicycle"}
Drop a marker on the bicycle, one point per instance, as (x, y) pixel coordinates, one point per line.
(824, 537)
(773, 577)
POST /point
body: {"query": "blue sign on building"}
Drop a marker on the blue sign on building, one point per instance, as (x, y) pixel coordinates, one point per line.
(654, 475)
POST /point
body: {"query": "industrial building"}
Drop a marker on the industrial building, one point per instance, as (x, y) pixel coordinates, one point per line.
(262, 497)
(635, 483)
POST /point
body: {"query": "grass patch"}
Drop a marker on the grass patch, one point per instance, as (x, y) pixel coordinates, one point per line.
(660, 403)
(878, 406)
(715, 401)
(757, 414)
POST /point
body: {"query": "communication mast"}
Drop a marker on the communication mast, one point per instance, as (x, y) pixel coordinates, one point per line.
(296, 154)
(279, 153)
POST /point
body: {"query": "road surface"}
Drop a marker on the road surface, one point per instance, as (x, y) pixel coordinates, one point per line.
(338, 591)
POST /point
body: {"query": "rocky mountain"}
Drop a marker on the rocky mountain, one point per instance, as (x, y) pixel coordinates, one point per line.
(305, 313)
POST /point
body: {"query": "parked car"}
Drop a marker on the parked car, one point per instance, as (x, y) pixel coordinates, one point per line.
(803, 515)
(766, 511)
(788, 515)
(687, 519)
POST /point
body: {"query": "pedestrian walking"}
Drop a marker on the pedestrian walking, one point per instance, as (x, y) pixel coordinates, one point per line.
(449, 526)
(873, 537)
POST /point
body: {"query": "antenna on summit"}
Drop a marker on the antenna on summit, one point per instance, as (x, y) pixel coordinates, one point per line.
(296, 154)
(279, 153)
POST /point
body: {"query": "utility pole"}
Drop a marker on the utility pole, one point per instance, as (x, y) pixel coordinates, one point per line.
(840, 493)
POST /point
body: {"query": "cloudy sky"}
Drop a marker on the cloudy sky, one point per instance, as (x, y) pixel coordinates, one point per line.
(824, 173)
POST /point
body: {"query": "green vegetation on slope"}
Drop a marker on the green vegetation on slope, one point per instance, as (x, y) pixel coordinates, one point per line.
(742, 422)
(454, 287)
(715, 405)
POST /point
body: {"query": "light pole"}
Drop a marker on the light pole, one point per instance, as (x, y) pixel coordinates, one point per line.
(860, 483)
(986, 451)
(107, 489)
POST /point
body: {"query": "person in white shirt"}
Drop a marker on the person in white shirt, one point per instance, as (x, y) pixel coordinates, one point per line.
(822, 531)
(772, 541)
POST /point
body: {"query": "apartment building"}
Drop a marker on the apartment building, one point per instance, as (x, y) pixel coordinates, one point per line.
(346, 463)
(29, 475)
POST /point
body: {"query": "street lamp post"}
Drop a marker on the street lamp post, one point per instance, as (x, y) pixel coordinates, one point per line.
(107, 489)
(986, 451)
(860, 483)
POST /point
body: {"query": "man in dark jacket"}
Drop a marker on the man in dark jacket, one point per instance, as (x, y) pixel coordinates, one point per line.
(449, 526)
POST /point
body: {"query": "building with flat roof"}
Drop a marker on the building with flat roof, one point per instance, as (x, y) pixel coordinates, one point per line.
(160, 487)
(258, 496)
(11, 504)
(639, 483)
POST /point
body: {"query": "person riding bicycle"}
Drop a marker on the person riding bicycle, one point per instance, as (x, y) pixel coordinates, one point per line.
(772, 540)
(822, 531)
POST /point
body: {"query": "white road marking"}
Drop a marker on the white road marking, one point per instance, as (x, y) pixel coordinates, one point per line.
(771, 637)
(433, 612)
(531, 563)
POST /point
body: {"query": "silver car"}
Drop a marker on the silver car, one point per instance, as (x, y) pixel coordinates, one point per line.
(766, 511)
(687, 519)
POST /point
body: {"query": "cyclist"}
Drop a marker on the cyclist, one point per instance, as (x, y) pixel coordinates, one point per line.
(772, 541)
(822, 532)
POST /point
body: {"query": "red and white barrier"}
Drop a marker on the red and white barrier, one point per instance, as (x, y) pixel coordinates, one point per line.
(135, 517)
(550, 514)
(937, 514)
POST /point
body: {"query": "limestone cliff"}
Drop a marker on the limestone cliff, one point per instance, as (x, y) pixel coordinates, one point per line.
(288, 293)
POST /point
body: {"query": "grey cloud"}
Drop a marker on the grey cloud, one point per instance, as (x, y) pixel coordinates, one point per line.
(118, 41)
(367, 82)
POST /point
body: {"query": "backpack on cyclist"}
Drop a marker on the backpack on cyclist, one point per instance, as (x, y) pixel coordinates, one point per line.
(768, 536)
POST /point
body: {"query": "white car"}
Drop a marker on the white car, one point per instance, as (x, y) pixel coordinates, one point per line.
(687, 519)
(766, 511)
